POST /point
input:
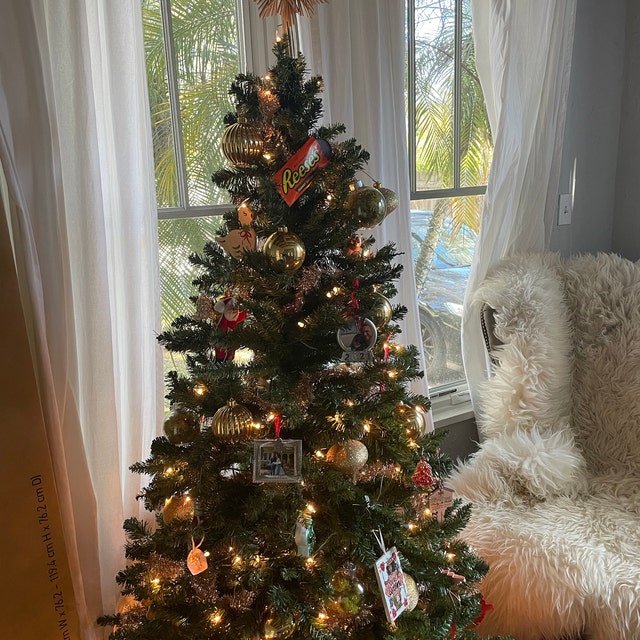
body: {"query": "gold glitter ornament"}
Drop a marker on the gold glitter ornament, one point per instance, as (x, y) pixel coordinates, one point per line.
(181, 426)
(412, 591)
(368, 205)
(414, 418)
(178, 508)
(381, 311)
(348, 457)
(232, 420)
(242, 143)
(285, 250)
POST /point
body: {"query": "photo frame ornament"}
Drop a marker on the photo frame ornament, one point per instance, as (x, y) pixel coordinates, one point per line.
(277, 460)
(357, 339)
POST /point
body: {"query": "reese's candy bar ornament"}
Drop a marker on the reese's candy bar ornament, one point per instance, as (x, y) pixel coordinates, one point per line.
(294, 177)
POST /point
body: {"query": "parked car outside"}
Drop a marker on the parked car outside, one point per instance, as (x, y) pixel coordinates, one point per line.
(441, 296)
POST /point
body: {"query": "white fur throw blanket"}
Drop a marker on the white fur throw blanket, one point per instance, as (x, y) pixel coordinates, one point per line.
(555, 485)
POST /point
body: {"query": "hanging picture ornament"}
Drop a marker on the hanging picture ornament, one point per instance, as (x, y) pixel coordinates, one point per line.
(367, 204)
(381, 311)
(390, 198)
(414, 418)
(348, 457)
(181, 426)
(231, 421)
(196, 560)
(285, 250)
(178, 508)
(242, 143)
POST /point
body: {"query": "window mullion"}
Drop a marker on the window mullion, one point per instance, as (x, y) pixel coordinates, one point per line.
(174, 102)
(457, 94)
(411, 93)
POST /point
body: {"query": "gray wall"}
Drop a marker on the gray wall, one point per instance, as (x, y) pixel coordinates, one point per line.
(601, 148)
(626, 223)
(590, 149)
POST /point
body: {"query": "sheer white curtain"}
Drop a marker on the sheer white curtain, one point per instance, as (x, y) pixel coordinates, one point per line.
(523, 56)
(75, 145)
(358, 47)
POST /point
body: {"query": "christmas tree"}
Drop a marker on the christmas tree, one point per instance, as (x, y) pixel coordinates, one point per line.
(297, 492)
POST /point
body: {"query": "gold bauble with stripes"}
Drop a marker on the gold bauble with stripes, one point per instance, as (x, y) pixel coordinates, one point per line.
(242, 144)
(232, 421)
(285, 250)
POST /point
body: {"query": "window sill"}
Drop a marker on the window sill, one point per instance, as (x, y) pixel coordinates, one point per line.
(451, 408)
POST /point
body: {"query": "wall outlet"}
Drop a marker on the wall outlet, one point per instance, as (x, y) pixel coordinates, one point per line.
(564, 209)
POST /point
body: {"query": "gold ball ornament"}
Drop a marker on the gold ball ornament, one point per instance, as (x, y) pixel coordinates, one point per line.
(415, 419)
(381, 311)
(285, 250)
(368, 205)
(231, 420)
(241, 143)
(348, 457)
(178, 508)
(412, 591)
(181, 426)
(390, 198)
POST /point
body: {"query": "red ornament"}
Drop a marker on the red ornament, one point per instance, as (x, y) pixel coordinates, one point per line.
(484, 609)
(423, 475)
(230, 319)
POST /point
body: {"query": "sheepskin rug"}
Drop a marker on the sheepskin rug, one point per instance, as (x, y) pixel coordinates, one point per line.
(555, 485)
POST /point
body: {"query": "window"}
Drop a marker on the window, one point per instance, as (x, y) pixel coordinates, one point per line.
(194, 50)
(450, 150)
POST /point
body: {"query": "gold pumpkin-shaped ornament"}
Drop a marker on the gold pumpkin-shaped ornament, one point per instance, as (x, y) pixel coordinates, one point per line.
(368, 205)
(232, 420)
(381, 311)
(415, 419)
(285, 250)
(348, 457)
(242, 144)
(178, 508)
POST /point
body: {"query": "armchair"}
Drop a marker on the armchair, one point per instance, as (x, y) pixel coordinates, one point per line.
(555, 484)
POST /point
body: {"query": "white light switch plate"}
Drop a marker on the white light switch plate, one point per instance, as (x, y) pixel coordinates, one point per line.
(564, 209)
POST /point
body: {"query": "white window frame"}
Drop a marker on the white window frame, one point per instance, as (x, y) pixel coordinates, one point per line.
(255, 42)
(451, 402)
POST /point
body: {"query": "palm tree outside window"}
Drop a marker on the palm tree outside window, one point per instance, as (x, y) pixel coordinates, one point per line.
(450, 149)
